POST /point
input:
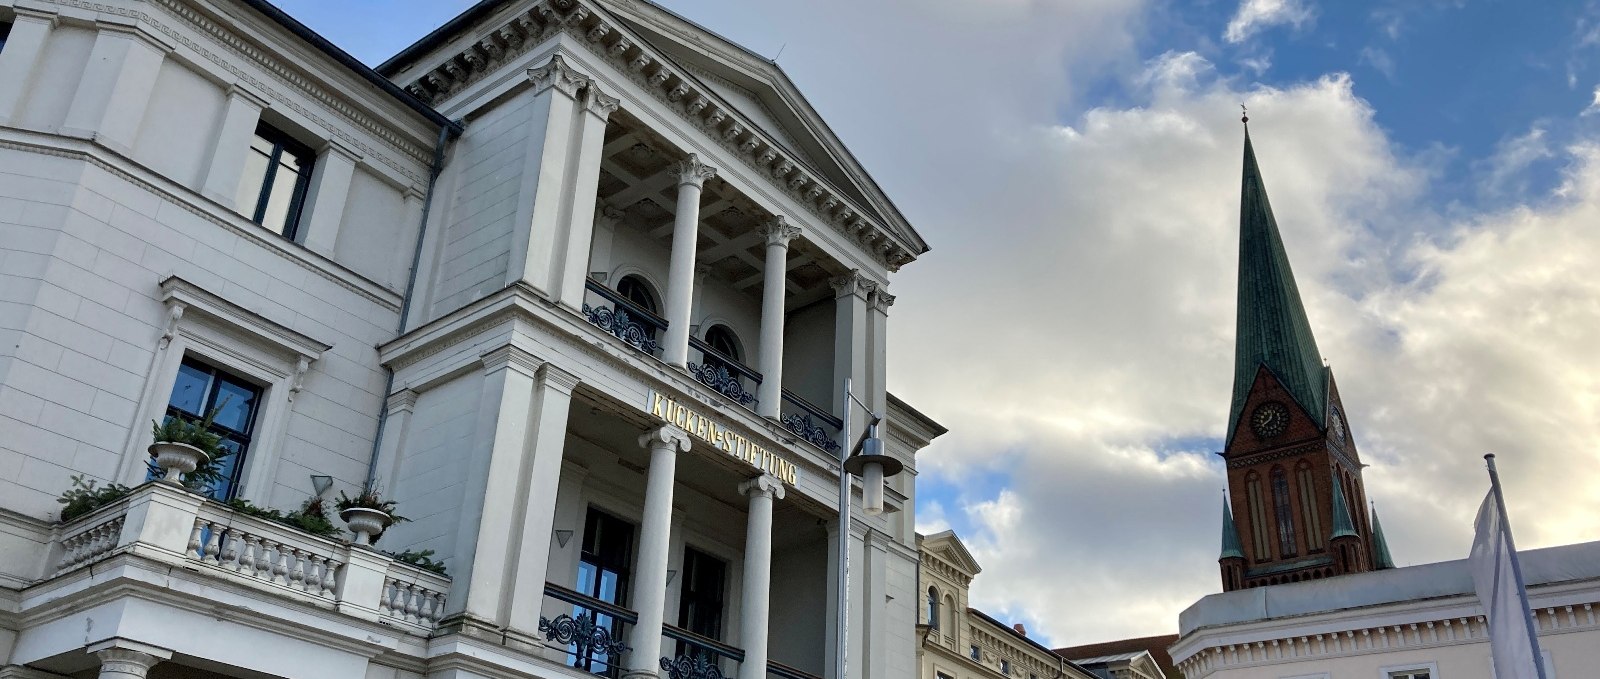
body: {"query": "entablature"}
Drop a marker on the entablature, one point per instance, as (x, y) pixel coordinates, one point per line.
(674, 88)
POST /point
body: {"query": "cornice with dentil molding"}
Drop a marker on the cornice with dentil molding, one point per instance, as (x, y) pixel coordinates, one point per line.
(699, 105)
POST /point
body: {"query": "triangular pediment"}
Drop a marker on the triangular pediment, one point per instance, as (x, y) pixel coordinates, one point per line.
(946, 545)
(758, 89)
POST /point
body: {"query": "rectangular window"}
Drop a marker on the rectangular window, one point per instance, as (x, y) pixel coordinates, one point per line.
(603, 569)
(1411, 674)
(701, 602)
(974, 652)
(201, 389)
(277, 172)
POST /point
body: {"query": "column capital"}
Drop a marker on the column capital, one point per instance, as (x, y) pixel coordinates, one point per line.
(691, 171)
(608, 215)
(555, 73)
(599, 103)
(402, 400)
(778, 231)
(765, 485)
(126, 658)
(510, 356)
(241, 92)
(669, 436)
(334, 147)
(881, 300)
(853, 283)
(552, 376)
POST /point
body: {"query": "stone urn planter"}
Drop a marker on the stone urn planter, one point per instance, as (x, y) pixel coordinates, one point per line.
(366, 523)
(177, 459)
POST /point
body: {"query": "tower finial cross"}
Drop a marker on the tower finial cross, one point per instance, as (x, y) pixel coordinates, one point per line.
(1244, 114)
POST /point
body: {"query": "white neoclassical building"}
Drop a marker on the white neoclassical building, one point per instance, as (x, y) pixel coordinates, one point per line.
(1415, 622)
(575, 282)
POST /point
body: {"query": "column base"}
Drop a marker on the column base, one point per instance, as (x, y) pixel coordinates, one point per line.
(641, 674)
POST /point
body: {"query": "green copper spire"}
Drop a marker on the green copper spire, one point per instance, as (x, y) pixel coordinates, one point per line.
(1380, 546)
(1343, 525)
(1272, 326)
(1231, 549)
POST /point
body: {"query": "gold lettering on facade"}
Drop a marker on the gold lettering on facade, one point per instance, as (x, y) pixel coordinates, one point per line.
(667, 409)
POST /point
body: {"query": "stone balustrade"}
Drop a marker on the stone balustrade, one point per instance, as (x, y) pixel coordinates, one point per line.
(162, 522)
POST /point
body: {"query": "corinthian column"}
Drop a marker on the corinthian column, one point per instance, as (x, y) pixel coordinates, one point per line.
(127, 659)
(655, 531)
(778, 234)
(692, 175)
(762, 490)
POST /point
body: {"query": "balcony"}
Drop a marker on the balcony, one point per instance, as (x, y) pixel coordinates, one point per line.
(592, 638)
(165, 523)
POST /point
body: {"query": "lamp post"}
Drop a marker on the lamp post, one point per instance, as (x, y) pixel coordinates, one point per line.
(865, 459)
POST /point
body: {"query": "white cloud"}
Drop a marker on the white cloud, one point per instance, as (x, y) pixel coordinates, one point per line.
(1379, 60)
(1256, 15)
(1504, 172)
(1594, 104)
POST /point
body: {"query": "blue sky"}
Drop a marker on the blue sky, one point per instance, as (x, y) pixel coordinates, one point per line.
(1434, 167)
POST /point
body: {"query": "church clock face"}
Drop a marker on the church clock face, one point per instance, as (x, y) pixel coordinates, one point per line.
(1269, 419)
(1336, 425)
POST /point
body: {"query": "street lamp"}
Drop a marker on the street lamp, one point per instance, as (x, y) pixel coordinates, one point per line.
(865, 459)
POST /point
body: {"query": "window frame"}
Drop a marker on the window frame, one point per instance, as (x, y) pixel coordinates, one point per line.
(244, 439)
(218, 332)
(1283, 512)
(282, 141)
(1390, 671)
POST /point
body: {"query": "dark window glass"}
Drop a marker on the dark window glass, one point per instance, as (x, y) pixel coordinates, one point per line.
(1005, 667)
(700, 604)
(277, 171)
(603, 569)
(974, 652)
(634, 289)
(933, 608)
(1285, 515)
(200, 389)
(5, 32)
(722, 339)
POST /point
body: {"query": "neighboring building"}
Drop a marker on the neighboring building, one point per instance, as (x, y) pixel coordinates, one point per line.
(1297, 502)
(576, 282)
(1417, 622)
(1140, 658)
(961, 642)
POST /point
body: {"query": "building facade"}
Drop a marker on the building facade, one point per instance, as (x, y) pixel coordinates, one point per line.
(1416, 622)
(576, 283)
(1296, 508)
(962, 642)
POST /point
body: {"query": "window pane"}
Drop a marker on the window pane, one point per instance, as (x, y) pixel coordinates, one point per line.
(255, 174)
(276, 218)
(189, 391)
(234, 404)
(229, 468)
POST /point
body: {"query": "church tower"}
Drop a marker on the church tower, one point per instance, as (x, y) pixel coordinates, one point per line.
(1296, 506)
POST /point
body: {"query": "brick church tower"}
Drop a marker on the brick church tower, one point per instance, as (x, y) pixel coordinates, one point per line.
(1295, 510)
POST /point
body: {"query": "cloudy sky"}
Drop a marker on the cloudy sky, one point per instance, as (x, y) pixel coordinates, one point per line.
(1435, 168)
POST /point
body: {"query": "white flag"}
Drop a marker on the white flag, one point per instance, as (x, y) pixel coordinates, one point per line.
(1511, 639)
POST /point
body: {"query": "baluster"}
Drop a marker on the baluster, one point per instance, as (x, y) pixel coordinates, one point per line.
(91, 547)
(230, 550)
(430, 608)
(386, 597)
(212, 542)
(297, 573)
(194, 538)
(411, 602)
(68, 546)
(280, 570)
(246, 563)
(263, 565)
(315, 564)
(328, 581)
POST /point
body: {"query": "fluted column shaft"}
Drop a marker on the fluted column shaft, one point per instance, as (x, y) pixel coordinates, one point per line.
(770, 394)
(692, 175)
(655, 532)
(757, 596)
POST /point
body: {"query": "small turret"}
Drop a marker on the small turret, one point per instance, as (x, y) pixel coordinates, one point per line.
(1231, 560)
(1380, 547)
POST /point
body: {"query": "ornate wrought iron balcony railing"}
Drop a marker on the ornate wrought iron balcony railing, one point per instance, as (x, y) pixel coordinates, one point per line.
(729, 377)
(619, 316)
(592, 634)
(810, 422)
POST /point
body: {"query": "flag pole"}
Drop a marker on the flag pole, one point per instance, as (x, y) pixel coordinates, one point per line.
(1516, 567)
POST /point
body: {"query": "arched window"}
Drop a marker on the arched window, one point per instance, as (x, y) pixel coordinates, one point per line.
(1258, 518)
(1283, 511)
(933, 608)
(1310, 513)
(721, 339)
(949, 611)
(636, 290)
